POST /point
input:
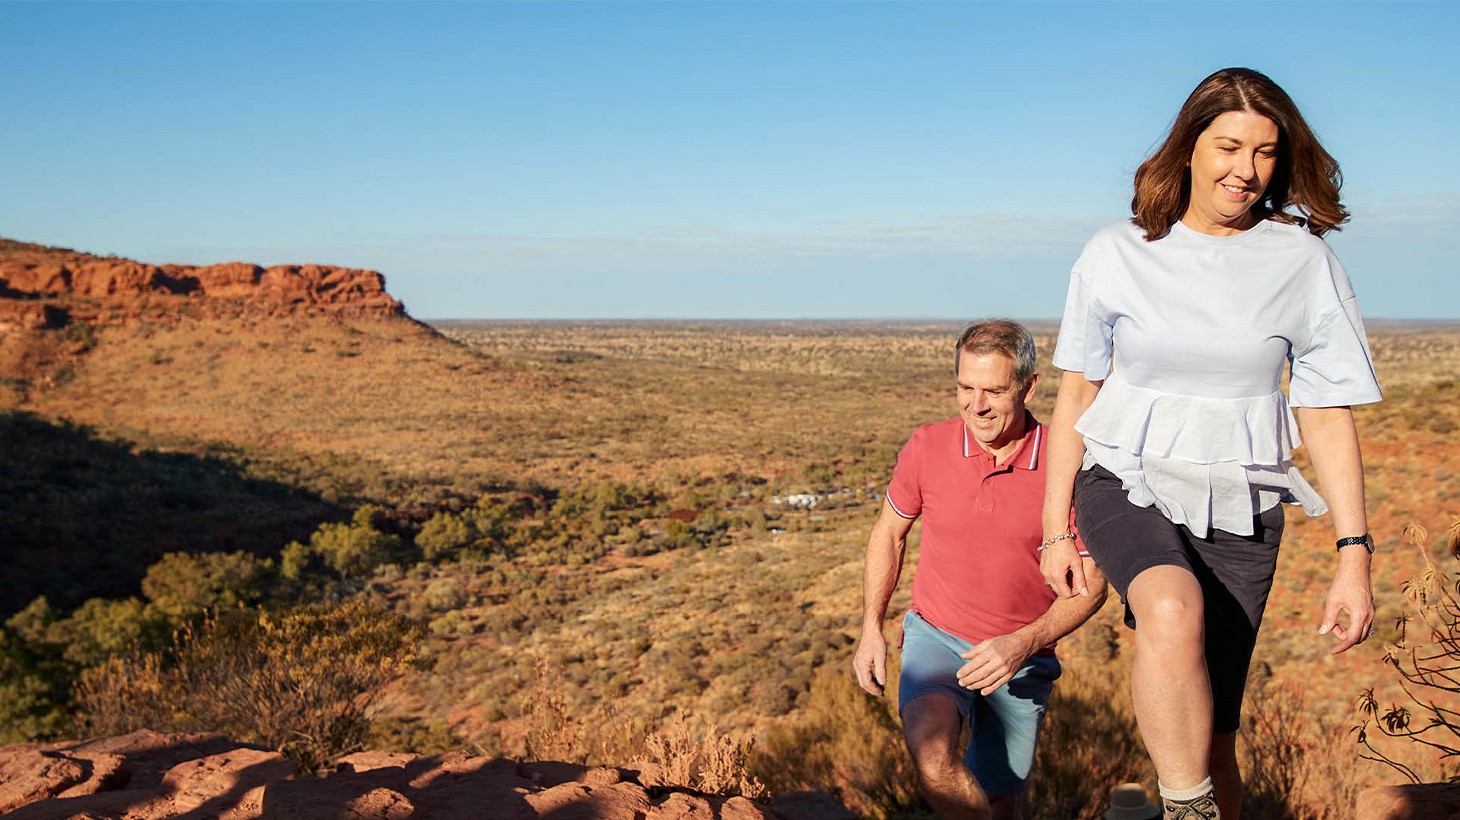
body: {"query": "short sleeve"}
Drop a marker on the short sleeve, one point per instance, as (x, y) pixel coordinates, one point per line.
(905, 492)
(1333, 367)
(1085, 340)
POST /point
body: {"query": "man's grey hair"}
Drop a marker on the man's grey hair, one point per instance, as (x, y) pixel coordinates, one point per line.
(1000, 336)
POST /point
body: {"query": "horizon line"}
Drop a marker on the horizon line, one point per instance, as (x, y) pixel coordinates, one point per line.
(1368, 320)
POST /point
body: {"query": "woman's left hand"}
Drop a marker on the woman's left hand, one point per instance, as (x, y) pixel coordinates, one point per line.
(1349, 593)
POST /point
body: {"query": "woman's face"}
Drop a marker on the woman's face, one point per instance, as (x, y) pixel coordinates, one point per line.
(1230, 167)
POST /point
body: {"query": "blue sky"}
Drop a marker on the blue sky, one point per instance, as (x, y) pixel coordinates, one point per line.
(696, 159)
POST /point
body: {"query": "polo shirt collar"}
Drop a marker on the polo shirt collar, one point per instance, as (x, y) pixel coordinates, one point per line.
(1026, 458)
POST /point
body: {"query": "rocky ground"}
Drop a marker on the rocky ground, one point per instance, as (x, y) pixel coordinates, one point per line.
(148, 774)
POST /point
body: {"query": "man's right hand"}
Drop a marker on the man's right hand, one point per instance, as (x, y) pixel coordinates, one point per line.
(870, 662)
(1063, 570)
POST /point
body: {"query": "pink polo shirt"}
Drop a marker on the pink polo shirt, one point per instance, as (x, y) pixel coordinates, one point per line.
(978, 567)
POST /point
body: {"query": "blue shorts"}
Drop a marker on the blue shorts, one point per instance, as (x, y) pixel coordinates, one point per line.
(1003, 726)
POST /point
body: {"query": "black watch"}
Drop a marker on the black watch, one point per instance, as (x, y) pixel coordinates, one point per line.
(1354, 540)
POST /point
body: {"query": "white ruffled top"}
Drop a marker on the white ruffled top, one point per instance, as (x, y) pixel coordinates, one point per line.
(1190, 334)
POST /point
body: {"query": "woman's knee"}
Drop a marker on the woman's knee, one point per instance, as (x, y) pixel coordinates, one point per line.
(1168, 606)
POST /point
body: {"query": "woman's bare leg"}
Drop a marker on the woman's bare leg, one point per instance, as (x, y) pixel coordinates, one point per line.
(1169, 682)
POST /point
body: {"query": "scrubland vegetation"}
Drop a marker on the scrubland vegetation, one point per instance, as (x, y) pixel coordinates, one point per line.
(569, 541)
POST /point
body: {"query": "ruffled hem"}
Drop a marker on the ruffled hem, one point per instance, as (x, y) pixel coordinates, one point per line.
(1257, 431)
(1220, 495)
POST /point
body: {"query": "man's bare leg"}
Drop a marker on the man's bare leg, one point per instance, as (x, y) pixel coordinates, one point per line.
(932, 725)
(1005, 806)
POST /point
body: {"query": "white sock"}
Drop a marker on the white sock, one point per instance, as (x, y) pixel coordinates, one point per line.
(1204, 787)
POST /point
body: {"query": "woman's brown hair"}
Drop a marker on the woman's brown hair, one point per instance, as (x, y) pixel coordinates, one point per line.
(1307, 177)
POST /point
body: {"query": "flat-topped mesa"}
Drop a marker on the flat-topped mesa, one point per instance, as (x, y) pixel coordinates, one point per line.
(31, 272)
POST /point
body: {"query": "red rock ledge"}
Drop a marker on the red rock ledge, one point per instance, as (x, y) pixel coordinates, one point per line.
(147, 775)
(1421, 801)
(30, 272)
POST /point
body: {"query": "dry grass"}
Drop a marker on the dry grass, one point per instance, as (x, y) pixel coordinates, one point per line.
(707, 761)
(696, 401)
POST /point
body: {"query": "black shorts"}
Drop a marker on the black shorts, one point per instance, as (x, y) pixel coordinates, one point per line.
(1235, 573)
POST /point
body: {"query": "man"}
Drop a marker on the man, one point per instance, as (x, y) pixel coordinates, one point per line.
(978, 643)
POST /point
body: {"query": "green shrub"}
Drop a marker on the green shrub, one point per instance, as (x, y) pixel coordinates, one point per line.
(355, 548)
(679, 535)
(302, 680)
(444, 535)
(32, 692)
(294, 561)
(182, 585)
(101, 628)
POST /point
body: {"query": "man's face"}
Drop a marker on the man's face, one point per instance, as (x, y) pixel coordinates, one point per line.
(990, 400)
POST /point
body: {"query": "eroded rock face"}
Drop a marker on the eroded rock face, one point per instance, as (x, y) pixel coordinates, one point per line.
(25, 316)
(31, 272)
(153, 775)
(1423, 801)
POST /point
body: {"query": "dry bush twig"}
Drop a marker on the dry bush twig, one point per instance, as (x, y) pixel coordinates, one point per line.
(1426, 663)
(1295, 765)
(710, 763)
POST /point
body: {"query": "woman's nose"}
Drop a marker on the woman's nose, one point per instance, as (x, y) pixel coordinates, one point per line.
(1246, 166)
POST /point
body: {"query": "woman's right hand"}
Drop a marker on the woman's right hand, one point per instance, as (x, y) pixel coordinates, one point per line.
(1064, 455)
(1063, 570)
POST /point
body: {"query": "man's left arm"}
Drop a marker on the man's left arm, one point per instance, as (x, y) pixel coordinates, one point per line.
(994, 662)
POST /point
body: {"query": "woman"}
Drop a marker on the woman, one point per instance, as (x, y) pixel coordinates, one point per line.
(1171, 436)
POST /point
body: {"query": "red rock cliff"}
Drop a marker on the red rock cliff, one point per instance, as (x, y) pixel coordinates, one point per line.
(109, 287)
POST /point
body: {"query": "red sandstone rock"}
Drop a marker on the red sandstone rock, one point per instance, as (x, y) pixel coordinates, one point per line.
(382, 803)
(809, 806)
(24, 316)
(231, 280)
(30, 774)
(1425, 801)
(35, 271)
(576, 801)
(45, 277)
(148, 775)
(682, 807)
(367, 761)
(602, 777)
(224, 781)
(738, 808)
(116, 278)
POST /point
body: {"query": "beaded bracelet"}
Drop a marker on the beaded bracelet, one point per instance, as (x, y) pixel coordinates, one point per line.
(1049, 542)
